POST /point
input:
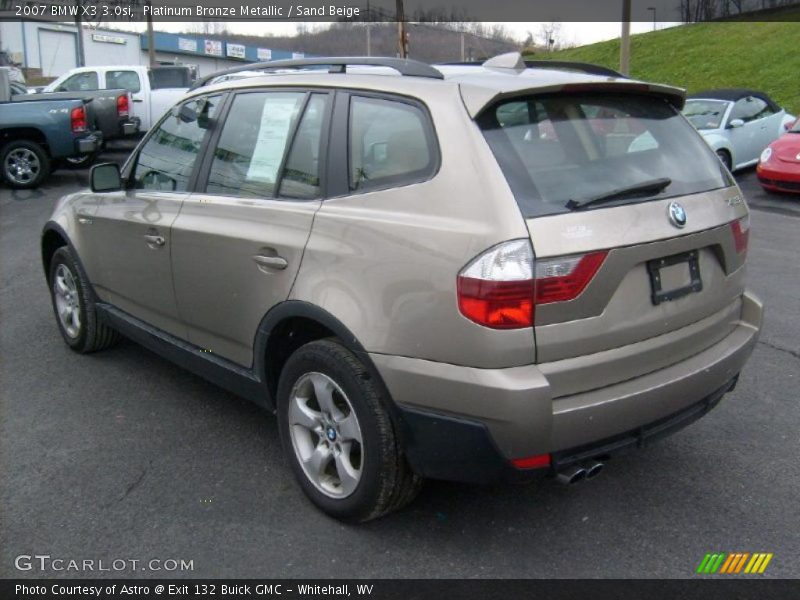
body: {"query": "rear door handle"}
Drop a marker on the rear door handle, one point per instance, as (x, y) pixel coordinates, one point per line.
(155, 240)
(273, 262)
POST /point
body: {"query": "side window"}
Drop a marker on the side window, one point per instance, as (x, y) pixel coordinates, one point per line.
(250, 152)
(749, 109)
(80, 82)
(166, 160)
(388, 144)
(128, 80)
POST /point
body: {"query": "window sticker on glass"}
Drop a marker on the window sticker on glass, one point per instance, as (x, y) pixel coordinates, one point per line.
(276, 121)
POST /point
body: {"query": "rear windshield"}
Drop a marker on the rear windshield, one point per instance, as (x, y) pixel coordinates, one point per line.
(705, 114)
(558, 148)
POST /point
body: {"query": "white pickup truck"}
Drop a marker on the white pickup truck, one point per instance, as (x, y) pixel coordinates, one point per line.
(154, 91)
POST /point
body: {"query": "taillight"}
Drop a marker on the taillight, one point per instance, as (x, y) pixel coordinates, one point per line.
(500, 288)
(496, 289)
(562, 279)
(741, 234)
(78, 119)
(122, 106)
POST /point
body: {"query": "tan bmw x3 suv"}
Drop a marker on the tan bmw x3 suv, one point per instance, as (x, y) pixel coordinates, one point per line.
(475, 273)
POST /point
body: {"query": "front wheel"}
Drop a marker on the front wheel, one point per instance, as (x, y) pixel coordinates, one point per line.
(338, 436)
(725, 158)
(74, 307)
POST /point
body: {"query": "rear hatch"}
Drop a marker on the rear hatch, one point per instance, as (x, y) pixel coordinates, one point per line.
(639, 233)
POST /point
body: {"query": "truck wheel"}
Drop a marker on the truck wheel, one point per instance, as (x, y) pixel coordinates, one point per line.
(74, 307)
(25, 164)
(338, 436)
(83, 161)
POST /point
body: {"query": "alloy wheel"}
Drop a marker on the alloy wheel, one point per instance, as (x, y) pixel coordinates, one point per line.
(22, 166)
(65, 292)
(326, 435)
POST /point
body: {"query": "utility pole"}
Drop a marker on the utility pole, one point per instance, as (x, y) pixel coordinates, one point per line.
(369, 31)
(625, 40)
(151, 44)
(402, 39)
(79, 37)
(463, 47)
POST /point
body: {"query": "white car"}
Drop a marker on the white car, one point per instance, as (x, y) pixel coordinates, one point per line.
(737, 123)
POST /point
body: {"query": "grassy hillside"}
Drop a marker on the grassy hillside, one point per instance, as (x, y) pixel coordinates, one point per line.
(761, 56)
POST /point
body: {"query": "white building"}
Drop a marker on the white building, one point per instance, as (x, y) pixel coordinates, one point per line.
(52, 48)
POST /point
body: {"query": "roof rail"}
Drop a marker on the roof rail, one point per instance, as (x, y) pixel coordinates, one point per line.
(338, 64)
(588, 68)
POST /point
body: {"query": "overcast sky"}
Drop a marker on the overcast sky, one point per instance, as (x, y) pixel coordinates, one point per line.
(571, 33)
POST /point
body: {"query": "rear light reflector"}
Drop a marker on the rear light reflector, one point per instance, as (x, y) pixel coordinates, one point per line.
(539, 461)
(78, 119)
(563, 279)
(123, 107)
(741, 234)
(496, 288)
(500, 288)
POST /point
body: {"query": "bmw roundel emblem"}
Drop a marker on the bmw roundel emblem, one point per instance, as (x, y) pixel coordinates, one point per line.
(677, 214)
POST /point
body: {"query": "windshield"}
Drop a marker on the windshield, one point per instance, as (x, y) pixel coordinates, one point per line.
(558, 148)
(705, 114)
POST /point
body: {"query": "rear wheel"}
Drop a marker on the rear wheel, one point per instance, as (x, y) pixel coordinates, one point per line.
(725, 158)
(25, 164)
(74, 308)
(338, 436)
(80, 162)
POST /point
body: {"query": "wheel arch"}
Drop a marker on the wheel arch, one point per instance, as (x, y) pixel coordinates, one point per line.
(293, 323)
(53, 238)
(30, 134)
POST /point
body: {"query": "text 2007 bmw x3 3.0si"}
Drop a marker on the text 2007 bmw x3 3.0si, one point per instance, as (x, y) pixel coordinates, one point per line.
(475, 273)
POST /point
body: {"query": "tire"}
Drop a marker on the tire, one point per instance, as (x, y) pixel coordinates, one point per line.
(369, 477)
(24, 164)
(74, 308)
(725, 158)
(84, 161)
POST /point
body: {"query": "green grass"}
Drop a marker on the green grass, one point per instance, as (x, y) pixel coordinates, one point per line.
(762, 56)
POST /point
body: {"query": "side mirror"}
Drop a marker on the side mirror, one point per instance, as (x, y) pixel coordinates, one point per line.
(105, 178)
(735, 124)
(184, 113)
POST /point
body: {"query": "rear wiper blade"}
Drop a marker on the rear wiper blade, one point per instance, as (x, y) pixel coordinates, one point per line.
(650, 186)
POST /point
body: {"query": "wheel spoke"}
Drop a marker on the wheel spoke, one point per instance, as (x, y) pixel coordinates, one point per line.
(348, 428)
(60, 285)
(76, 317)
(318, 461)
(301, 414)
(348, 475)
(323, 390)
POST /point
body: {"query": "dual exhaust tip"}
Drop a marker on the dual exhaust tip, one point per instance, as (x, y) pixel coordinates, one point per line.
(578, 473)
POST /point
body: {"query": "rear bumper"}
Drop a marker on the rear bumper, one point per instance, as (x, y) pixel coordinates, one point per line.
(90, 143)
(466, 424)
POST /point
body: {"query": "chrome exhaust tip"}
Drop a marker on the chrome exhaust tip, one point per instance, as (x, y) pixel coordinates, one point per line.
(571, 475)
(593, 469)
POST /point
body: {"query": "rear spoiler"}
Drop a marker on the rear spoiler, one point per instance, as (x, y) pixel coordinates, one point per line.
(476, 99)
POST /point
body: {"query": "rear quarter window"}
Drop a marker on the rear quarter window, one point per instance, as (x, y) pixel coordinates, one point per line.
(390, 143)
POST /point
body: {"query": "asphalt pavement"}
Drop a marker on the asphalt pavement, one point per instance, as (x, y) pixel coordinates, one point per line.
(123, 456)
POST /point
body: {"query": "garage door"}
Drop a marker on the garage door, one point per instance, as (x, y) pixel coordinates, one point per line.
(57, 52)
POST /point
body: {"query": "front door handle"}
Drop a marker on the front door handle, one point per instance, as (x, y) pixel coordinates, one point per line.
(273, 262)
(155, 240)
